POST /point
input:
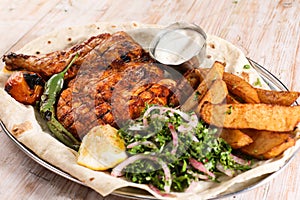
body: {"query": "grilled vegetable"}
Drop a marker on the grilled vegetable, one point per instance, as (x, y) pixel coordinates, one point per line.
(48, 100)
(25, 87)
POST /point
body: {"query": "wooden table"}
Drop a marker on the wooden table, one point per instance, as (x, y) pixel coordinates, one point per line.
(267, 31)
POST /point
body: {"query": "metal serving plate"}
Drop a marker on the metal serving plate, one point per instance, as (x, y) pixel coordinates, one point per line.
(273, 82)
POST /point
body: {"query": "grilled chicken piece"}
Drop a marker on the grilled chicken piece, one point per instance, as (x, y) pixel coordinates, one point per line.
(106, 87)
(111, 100)
(52, 63)
(112, 81)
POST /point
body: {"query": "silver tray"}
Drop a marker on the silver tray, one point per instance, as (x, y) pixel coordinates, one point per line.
(273, 82)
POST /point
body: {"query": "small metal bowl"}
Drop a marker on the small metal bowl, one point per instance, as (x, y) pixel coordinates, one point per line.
(179, 43)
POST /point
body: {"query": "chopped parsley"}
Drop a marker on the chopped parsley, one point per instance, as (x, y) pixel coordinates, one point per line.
(190, 149)
(257, 83)
(197, 93)
(247, 66)
(229, 110)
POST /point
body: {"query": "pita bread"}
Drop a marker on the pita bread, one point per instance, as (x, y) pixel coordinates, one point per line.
(25, 127)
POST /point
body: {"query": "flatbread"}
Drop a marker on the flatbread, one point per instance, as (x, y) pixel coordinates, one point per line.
(21, 121)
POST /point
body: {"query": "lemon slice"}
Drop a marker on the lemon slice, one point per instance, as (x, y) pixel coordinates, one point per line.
(101, 148)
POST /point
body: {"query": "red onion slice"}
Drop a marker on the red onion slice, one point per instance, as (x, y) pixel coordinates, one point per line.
(198, 165)
(198, 176)
(175, 138)
(193, 118)
(117, 171)
(228, 172)
(145, 143)
(240, 160)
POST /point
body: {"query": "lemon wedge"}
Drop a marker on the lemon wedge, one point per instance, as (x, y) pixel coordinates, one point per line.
(101, 148)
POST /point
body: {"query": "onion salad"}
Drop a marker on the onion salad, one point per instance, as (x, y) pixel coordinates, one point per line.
(172, 150)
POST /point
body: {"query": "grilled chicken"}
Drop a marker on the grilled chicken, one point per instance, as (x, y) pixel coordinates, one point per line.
(54, 62)
(112, 81)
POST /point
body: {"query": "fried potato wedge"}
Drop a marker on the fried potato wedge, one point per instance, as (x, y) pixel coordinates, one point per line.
(267, 144)
(194, 77)
(215, 95)
(256, 121)
(285, 98)
(241, 88)
(216, 72)
(230, 99)
(235, 138)
(276, 151)
(253, 116)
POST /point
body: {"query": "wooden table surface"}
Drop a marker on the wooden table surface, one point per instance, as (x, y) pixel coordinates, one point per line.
(266, 31)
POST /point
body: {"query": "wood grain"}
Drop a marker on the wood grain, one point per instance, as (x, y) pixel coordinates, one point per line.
(266, 31)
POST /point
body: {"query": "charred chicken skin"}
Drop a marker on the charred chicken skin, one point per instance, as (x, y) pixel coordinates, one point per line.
(112, 81)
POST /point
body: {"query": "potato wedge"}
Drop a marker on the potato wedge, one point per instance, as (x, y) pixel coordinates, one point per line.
(235, 138)
(216, 72)
(230, 99)
(254, 116)
(216, 94)
(194, 77)
(241, 88)
(285, 98)
(267, 144)
(202, 73)
(276, 151)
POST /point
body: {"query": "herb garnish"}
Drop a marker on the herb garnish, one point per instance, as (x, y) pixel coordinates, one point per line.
(247, 66)
(257, 83)
(188, 148)
(197, 93)
(229, 110)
